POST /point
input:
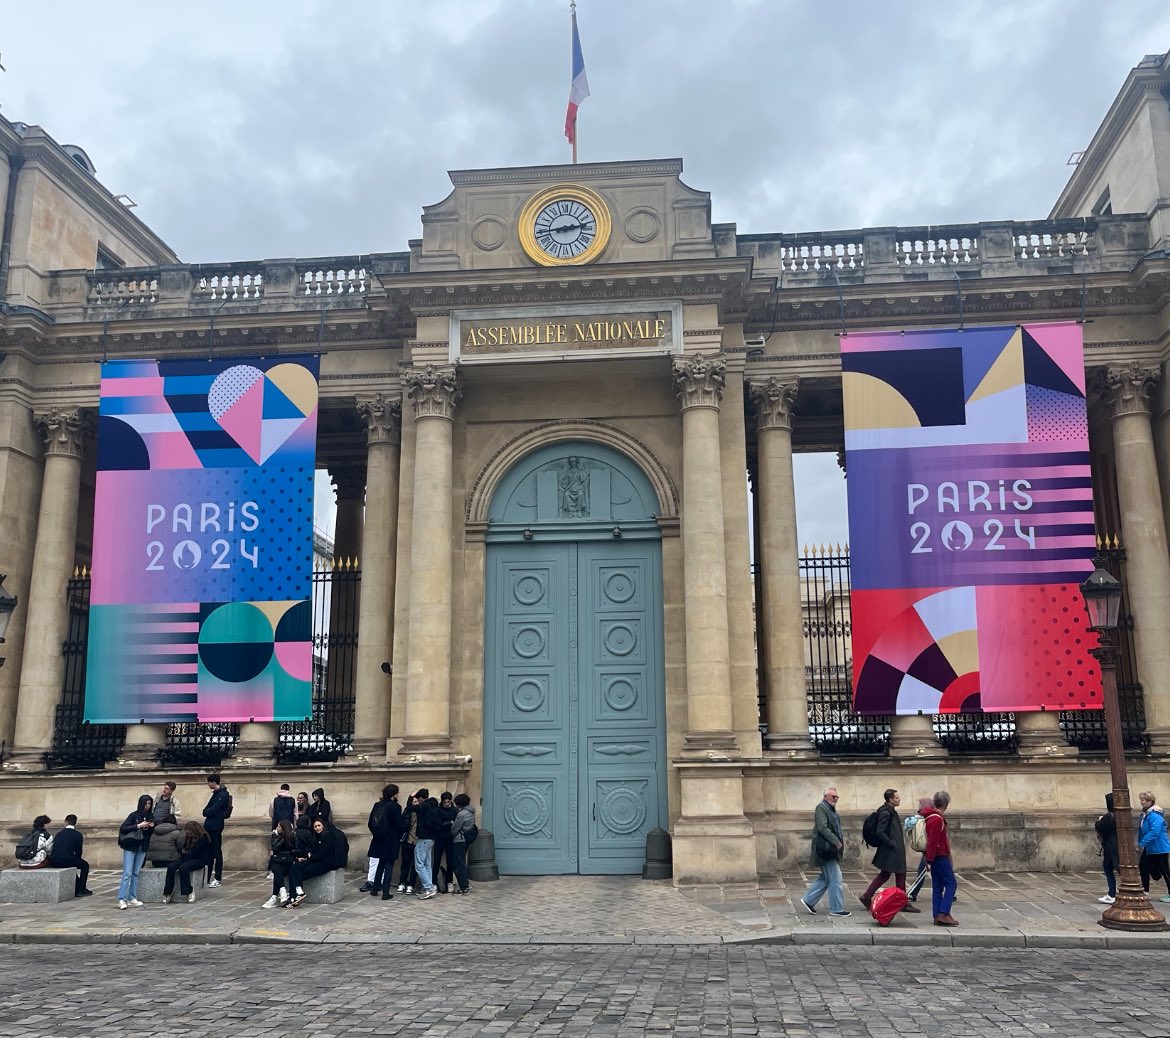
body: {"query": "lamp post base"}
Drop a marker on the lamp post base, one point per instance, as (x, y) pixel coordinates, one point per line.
(1132, 911)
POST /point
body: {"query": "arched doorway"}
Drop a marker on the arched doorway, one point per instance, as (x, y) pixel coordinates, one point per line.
(574, 745)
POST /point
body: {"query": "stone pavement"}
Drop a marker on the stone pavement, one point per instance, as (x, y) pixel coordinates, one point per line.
(1037, 910)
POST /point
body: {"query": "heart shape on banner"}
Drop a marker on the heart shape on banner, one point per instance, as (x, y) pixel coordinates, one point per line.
(261, 410)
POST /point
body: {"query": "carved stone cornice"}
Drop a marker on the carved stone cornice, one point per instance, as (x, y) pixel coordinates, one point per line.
(698, 381)
(383, 419)
(774, 399)
(350, 479)
(1127, 389)
(66, 432)
(433, 391)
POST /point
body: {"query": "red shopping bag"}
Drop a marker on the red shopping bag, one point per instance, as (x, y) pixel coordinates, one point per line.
(886, 904)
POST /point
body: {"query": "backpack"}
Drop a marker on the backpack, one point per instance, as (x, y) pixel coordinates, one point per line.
(228, 810)
(917, 834)
(283, 809)
(343, 850)
(26, 850)
(869, 830)
(380, 824)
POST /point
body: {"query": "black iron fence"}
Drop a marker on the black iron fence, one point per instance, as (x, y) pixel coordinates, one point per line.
(836, 730)
(324, 736)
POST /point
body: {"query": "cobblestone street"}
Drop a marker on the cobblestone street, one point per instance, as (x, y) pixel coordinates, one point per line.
(317, 992)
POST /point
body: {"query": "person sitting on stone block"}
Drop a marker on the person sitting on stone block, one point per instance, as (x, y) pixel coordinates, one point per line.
(66, 854)
(35, 846)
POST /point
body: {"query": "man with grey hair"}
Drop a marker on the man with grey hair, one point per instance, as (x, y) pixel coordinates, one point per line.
(827, 845)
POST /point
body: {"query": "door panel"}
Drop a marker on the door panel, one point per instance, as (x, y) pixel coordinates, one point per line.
(573, 705)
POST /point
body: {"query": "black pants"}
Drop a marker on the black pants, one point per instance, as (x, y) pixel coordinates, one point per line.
(442, 851)
(303, 870)
(184, 867)
(281, 869)
(215, 861)
(1154, 866)
(459, 852)
(82, 867)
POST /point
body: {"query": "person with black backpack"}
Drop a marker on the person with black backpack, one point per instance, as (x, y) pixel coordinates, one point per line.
(385, 825)
(218, 808)
(883, 831)
(283, 806)
(463, 834)
(36, 845)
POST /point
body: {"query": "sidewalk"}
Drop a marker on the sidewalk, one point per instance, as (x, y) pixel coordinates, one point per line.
(1007, 910)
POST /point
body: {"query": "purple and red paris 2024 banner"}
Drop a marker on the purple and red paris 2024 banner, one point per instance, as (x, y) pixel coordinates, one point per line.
(970, 520)
(200, 603)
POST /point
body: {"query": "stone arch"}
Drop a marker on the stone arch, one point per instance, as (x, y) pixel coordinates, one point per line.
(485, 485)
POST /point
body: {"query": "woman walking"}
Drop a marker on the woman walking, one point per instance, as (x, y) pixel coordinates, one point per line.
(938, 854)
(134, 839)
(196, 852)
(1155, 845)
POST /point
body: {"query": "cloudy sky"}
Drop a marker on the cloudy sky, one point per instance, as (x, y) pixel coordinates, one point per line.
(307, 128)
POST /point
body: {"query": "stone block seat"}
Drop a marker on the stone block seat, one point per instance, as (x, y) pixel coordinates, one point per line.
(37, 886)
(326, 889)
(151, 882)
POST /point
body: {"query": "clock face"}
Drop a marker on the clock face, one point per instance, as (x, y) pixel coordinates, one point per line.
(564, 224)
(565, 228)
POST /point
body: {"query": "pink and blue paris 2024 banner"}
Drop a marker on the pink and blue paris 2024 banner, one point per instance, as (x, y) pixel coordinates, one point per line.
(200, 603)
(970, 520)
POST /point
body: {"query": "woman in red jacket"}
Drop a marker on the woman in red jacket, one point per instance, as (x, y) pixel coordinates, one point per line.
(938, 855)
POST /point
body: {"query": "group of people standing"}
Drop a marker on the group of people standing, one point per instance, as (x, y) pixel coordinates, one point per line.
(428, 836)
(1153, 842)
(828, 843)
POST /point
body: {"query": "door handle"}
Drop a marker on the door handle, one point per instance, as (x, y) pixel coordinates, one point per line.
(595, 812)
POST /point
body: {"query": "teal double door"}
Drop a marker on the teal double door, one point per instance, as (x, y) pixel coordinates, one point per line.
(574, 751)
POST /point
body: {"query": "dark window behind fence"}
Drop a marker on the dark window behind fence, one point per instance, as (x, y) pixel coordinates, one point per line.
(324, 736)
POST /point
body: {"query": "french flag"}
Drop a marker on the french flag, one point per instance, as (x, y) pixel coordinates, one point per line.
(579, 89)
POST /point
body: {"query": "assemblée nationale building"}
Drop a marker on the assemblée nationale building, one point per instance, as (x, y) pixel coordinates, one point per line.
(542, 418)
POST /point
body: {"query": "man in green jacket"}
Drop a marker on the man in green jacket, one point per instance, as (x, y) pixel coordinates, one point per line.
(827, 845)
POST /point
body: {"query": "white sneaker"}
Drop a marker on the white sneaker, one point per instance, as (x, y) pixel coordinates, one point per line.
(191, 898)
(282, 897)
(268, 875)
(410, 890)
(122, 906)
(400, 889)
(272, 902)
(215, 883)
(166, 899)
(1107, 899)
(134, 903)
(427, 894)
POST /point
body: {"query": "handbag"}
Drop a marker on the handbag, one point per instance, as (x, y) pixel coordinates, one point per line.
(131, 841)
(824, 848)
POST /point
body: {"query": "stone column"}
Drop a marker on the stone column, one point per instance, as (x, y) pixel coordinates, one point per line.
(42, 666)
(373, 687)
(257, 745)
(699, 384)
(349, 482)
(340, 670)
(434, 392)
(912, 736)
(1039, 735)
(780, 624)
(1126, 391)
(142, 744)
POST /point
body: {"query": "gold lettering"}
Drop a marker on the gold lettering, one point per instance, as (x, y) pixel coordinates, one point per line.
(659, 328)
(561, 333)
(528, 334)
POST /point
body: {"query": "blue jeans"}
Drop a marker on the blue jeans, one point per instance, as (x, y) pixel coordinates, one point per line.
(942, 886)
(131, 866)
(831, 880)
(424, 862)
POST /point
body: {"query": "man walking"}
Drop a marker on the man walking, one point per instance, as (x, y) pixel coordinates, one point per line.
(827, 845)
(890, 856)
(217, 810)
(166, 803)
(66, 854)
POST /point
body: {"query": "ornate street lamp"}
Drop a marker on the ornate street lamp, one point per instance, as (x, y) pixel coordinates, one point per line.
(7, 604)
(1132, 909)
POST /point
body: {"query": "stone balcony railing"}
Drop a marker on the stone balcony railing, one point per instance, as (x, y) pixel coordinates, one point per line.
(1006, 249)
(883, 255)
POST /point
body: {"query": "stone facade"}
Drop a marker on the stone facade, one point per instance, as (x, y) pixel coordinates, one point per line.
(697, 353)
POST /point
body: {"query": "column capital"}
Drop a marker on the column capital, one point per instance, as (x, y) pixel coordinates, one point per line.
(66, 432)
(383, 420)
(698, 381)
(1127, 389)
(349, 480)
(433, 391)
(774, 399)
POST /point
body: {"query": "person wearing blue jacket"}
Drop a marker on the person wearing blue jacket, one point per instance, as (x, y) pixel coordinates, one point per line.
(1155, 844)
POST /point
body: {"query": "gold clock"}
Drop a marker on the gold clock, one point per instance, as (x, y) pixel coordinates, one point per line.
(563, 225)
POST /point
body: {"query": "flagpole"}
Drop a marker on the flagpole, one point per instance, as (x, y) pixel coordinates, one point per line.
(572, 16)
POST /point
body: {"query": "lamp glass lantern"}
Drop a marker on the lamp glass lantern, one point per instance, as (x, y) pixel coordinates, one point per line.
(1102, 593)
